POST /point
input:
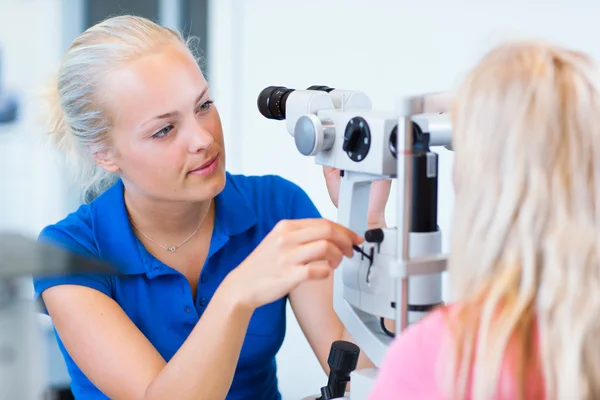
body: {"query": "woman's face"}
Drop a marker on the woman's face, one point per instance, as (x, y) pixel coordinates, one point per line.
(167, 139)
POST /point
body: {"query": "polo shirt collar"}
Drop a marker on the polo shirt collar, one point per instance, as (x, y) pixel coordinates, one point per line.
(118, 244)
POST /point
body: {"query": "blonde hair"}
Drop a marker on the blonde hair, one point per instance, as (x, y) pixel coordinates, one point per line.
(525, 247)
(78, 119)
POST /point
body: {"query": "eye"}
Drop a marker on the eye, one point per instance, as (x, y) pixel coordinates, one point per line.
(163, 133)
(206, 106)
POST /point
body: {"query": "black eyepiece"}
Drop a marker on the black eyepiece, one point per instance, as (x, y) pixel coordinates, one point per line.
(271, 102)
(420, 140)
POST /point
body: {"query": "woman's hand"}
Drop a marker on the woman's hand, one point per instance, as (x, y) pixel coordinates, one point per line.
(380, 192)
(295, 251)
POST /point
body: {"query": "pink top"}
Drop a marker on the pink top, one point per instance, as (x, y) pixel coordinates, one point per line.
(411, 368)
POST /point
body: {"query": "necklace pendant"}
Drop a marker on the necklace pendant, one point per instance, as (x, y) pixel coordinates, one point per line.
(172, 249)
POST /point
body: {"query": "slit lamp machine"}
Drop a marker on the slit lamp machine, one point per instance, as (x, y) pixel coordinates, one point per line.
(397, 273)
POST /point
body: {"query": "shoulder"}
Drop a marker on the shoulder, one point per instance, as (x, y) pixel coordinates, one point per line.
(75, 232)
(419, 341)
(409, 369)
(79, 231)
(273, 186)
(275, 193)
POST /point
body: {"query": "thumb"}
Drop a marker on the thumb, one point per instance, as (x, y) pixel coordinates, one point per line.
(318, 270)
(314, 270)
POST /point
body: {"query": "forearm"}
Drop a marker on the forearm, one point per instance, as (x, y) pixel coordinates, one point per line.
(204, 366)
(376, 221)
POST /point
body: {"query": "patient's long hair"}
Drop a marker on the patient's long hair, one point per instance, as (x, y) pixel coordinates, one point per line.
(524, 262)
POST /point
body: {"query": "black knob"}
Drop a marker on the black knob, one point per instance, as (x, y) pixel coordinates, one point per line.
(343, 359)
(357, 139)
(343, 356)
(374, 235)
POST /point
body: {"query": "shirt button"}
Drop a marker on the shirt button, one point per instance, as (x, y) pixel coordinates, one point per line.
(203, 301)
(203, 279)
(187, 310)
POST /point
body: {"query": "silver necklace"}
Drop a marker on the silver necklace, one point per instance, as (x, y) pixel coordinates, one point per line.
(173, 249)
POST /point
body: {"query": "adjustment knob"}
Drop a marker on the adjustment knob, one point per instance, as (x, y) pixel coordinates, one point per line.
(343, 356)
(357, 139)
(312, 135)
(374, 235)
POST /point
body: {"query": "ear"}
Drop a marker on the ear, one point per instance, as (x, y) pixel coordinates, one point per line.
(106, 161)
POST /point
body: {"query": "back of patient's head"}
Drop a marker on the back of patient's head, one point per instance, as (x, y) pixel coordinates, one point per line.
(525, 238)
(80, 109)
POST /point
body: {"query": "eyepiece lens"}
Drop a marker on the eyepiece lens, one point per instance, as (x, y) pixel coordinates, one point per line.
(272, 101)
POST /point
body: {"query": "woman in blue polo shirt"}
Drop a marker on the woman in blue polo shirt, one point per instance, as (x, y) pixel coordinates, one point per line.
(206, 259)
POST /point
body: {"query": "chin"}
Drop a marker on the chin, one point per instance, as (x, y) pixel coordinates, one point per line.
(208, 187)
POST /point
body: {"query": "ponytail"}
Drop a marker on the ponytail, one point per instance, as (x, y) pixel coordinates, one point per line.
(85, 175)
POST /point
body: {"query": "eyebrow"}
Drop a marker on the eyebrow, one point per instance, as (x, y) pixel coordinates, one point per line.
(175, 113)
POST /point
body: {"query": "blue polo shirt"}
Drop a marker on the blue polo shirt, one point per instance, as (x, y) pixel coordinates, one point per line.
(158, 299)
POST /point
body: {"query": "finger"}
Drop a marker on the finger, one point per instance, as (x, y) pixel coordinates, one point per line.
(298, 224)
(288, 225)
(328, 229)
(323, 234)
(317, 270)
(355, 237)
(321, 250)
(314, 271)
(324, 229)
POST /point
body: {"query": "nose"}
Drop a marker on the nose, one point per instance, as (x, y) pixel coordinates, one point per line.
(200, 139)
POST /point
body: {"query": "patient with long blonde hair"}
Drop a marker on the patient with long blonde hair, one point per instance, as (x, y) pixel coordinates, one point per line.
(524, 264)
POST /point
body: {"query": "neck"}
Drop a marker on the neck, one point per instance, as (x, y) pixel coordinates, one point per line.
(166, 222)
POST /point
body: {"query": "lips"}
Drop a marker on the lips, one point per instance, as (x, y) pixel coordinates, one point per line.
(206, 164)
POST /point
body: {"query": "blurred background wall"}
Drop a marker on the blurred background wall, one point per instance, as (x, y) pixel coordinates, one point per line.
(387, 48)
